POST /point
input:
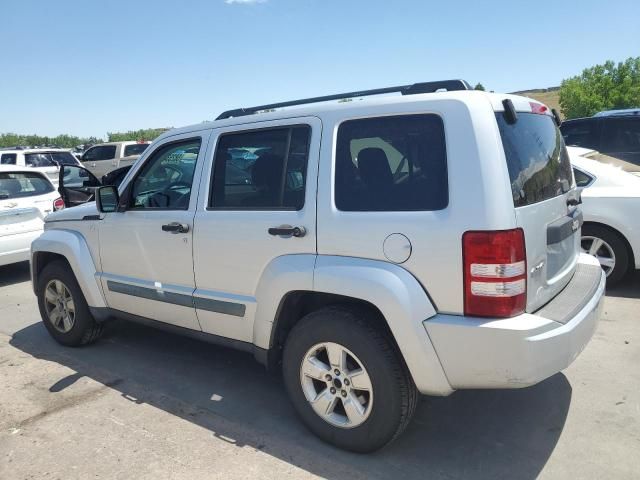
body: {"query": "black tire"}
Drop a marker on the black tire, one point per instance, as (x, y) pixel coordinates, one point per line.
(394, 394)
(85, 329)
(619, 247)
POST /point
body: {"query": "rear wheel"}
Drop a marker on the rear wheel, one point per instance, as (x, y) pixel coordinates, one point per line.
(610, 250)
(346, 380)
(63, 308)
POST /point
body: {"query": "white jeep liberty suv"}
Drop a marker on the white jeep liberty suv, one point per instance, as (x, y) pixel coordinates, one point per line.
(374, 250)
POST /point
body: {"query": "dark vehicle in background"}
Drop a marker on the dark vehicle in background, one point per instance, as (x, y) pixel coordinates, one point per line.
(615, 134)
(77, 185)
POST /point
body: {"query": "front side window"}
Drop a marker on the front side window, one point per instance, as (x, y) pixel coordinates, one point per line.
(165, 181)
(391, 164)
(19, 184)
(537, 159)
(101, 152)
(135, 149)
(261, 169)
(8, 159)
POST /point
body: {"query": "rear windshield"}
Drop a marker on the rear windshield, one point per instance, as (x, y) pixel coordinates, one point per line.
(537, 159)
(19, 184)
(135, 149)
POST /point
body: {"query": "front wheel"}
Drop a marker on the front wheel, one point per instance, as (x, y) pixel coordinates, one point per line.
(346, 380)
(63, 308)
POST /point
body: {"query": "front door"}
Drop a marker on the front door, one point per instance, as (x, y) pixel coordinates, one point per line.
(261, 205)
(146, 247)
(76, 185)
(100, 159)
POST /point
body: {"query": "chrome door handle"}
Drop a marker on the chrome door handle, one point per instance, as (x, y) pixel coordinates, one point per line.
(287, 231)
(175, 227)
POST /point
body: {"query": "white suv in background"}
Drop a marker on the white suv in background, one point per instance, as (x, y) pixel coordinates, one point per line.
(373, 250)
(26, 197)
(44, 160)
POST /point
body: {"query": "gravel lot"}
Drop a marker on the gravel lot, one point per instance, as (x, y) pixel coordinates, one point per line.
(144, 404)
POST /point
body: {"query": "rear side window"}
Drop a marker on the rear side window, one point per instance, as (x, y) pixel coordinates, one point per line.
(537, 159)
(582, 179)
(391, 164)
(39, 160)
(261, 169)
(19, 184)
(580, 133)
(63, 158)
(8, 159)
(621, 135)
(135, 149)
(101, 152)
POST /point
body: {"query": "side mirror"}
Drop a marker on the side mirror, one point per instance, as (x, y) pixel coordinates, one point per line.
(107, 199)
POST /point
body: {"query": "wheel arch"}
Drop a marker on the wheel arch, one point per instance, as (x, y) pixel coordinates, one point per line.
(390, 293)
(73, 249)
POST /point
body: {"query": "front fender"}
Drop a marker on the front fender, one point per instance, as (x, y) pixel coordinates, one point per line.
(72, 246)
(402, 301)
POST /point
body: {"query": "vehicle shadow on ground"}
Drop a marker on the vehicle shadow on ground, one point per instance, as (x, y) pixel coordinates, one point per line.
(14, 273)
(478, 434)
(629, 287)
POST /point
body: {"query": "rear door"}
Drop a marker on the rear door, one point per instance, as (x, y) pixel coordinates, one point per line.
(543, 193)
(262, 185)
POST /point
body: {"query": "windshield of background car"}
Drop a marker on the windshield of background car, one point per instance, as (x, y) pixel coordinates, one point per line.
(537, 159)
(135, 149)
(23, 184)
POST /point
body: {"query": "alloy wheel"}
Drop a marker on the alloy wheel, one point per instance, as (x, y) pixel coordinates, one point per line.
(59, 305)
(336, 385)
(601, 250)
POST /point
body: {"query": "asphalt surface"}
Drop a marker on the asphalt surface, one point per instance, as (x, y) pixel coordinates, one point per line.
(145, 404)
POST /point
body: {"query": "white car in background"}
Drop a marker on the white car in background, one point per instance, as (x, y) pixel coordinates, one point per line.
(26, 197)
(44, 160)
(611, 209)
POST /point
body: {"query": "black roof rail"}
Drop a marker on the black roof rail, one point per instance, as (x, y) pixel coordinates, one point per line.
(416, 88)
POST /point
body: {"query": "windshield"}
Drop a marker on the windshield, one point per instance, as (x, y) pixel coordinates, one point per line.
(537, 159)
(23, 184)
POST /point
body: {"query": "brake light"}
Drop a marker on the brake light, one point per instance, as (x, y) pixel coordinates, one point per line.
(495, 273)
(538, 108)
(58, 204)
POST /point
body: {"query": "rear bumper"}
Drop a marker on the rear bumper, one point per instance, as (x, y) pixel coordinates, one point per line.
(524, 350)
(16, 248)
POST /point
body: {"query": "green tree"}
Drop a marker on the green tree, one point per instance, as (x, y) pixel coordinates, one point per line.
(479, 86)
(602, 87)
(147, 134)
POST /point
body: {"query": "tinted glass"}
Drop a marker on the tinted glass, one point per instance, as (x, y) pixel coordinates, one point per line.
(18, 184)
(166, 179)
(263, 169)
(580, 133)
(537, 158)
(39, 160)
(582, 179)
(136, 149)
(621, 135)
(102, 152)
(63, 158)
(8, 159)
(391, 164)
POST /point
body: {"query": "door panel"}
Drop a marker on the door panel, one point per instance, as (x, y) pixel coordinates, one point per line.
(148, 266)
(252, 193)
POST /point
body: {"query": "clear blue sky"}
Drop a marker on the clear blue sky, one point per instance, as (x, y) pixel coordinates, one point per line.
(86, 67)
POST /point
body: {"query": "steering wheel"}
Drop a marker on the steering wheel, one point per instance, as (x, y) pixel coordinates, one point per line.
(175, 198)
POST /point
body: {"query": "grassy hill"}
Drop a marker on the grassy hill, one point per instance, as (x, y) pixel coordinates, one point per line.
(549, 96)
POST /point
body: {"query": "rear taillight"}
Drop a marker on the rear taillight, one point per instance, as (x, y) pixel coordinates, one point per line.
(495, 273)
(58, 204)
